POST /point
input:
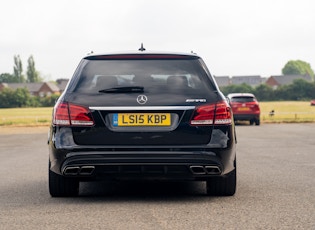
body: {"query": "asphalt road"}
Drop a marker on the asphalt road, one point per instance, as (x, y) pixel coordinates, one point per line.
(276, 189)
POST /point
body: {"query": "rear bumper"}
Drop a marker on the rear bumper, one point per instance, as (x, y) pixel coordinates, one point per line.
(246, 117)
(185, 162)
(97, 165)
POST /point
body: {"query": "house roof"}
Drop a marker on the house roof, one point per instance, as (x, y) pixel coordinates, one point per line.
(4, 84)
(288, 79)
(31, 87)
(34, 87)
(62, 83)
(222, 80)
(252, 80)
(53, 86)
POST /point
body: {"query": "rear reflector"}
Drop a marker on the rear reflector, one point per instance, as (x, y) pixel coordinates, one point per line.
(218, 114)
(68, 114)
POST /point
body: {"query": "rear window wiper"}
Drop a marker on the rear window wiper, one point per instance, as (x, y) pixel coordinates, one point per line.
(125, 89)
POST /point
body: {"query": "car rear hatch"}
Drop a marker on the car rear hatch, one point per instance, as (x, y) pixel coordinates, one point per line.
(245, 105)
(149, 101)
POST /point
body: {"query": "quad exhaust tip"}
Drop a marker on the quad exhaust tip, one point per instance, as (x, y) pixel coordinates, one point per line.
(71, 171)
(78, 170)
(212, 169)
(86, 170)
(205, 170)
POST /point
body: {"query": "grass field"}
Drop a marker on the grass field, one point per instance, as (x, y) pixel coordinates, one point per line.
(285, 112)
(25, 116)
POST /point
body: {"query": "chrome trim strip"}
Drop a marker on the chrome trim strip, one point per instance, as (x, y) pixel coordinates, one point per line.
(132, 108)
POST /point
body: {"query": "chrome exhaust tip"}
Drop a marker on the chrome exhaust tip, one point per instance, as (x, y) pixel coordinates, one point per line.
(203, 170)
(87, 170)
(71, 171)
(215, 170)
(197, 169)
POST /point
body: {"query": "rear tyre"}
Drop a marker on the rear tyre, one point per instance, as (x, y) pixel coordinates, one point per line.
(60, 186)
(222, 186)
(257, 122)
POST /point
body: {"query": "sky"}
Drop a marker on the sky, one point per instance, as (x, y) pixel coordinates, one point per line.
(234, 37)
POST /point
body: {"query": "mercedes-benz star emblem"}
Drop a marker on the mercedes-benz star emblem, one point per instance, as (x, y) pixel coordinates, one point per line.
(142, 99)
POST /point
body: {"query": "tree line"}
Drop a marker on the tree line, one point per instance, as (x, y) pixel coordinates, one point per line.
(299, 90)
(21, 97)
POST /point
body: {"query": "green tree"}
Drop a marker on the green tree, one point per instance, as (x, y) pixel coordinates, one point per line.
(7, 78)
(15, 98)
(264, 92)
(242, 88)
(18, 69)
(48, 101)
(32, 73)
(300, 90)
(5, 98)
(281, 93)
(298, 67)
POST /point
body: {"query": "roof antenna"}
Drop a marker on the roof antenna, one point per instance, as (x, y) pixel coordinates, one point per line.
(142, 48)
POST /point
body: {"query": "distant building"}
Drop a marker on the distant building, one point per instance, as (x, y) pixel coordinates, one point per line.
(222, 80)
(278, 80)
(62, 84)
(40, 89)
(252, 80)
(3, 85)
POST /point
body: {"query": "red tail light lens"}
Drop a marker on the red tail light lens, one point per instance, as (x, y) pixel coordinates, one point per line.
(218, 114)
(61, 114)
(80, 116)
(68, 114)
(256, 107)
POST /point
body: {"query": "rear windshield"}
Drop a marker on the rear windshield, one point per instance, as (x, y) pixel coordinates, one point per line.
(243, 99)
(169, 76)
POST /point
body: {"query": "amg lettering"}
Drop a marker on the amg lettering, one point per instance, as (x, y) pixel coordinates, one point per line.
(196, 100)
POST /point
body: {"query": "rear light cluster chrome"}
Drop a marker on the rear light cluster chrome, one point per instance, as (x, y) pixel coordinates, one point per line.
(67, 114)
(218, 114)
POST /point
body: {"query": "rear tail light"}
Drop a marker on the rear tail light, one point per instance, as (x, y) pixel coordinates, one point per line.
(218, 114)
(68, 114)
(256, 107)
(253, 106)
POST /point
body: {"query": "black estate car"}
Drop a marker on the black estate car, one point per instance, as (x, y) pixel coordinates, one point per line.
(142, 116)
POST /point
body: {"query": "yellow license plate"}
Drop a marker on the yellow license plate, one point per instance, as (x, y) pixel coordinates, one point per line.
(141, 119)
(243, 109)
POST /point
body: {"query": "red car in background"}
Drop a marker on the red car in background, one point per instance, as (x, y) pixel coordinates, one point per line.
(245, 107)
(313, 102)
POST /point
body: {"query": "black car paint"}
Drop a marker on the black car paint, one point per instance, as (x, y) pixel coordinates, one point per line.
(142, 153)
